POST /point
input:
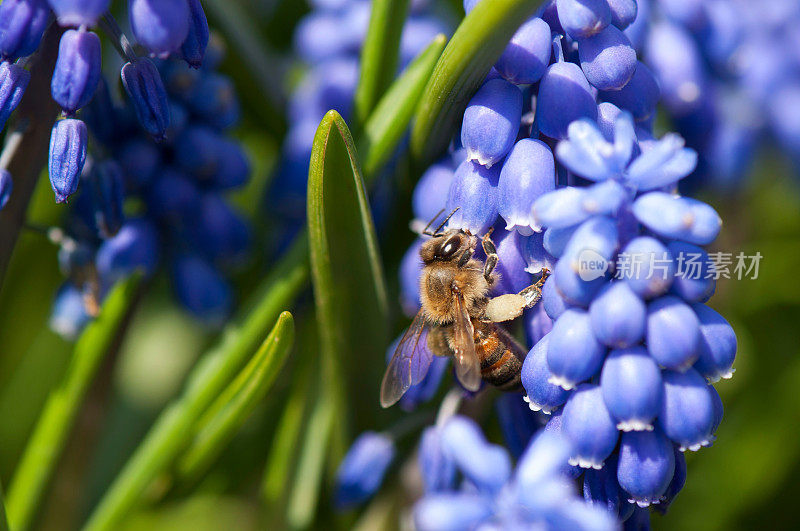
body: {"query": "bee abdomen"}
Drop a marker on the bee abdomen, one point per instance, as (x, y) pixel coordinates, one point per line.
(500, 366)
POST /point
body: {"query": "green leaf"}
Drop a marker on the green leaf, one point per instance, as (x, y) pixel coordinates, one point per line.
(351, 303)
(174, 428)
(475, 47)
(58, 417)
(385, 127)
(379, 54)
(232, 408)
(3, 519)
(349, 287)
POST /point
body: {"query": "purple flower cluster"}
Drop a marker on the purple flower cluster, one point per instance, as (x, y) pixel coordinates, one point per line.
(557, 155)
(723, 91)
(153, 187)
(329, 41)
(165, 28)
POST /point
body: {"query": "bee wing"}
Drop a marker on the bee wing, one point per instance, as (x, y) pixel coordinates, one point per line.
(468, 367)
(409, 364)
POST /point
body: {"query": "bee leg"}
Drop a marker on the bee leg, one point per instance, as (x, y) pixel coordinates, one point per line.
(491, 256)
(510, 306)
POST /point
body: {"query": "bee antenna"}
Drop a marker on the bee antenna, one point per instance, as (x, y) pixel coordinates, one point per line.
(443, 223)
(425, 231)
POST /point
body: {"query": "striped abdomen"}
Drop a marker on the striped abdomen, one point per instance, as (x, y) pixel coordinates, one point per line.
(500, 355)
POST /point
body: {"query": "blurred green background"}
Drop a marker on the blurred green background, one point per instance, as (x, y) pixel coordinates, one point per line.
(746, 480)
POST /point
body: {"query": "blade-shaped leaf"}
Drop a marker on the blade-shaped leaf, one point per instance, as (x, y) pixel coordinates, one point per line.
(379, 54)
(3, 520)
(474, 48)
(224, 418)
(174, 428)
(387, 123)
(58, 416)
(349, 287)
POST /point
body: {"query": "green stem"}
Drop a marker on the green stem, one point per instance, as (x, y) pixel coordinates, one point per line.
(58, 417)
(174, 428)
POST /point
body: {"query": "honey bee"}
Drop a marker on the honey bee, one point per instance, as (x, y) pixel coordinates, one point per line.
(459, 319)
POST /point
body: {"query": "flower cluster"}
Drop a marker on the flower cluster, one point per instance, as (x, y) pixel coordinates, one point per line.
(557, 157)
(470, 483)
(329, 41)
(152, 180)
(723, 91)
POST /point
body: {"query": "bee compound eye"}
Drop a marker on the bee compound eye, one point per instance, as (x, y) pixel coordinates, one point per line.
(449, 247)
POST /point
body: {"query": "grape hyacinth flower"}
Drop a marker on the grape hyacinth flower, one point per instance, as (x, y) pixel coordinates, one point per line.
(22, 24)
(79, 12)
(77, 70)
(362, 470)
(160, 25)
(534, 494)
(68, 145)
(13, 82)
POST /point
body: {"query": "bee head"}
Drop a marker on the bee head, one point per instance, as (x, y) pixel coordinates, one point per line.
(446, 246)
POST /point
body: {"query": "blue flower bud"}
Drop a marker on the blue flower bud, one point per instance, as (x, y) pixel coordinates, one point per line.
(430, 193)
(687, 412)
(485, 465)
(664, 164)
(517, 424)
(639, 96)
(194, 46)
(13, 82)
(474, 191)
(173, 196)
(140, 160)
(598, 234)
(77, 70)
(197, 153)
(22, 24)
(607, 59)
(618, 316)
(673, 333)
(555, 239)
(573, 354)
(601, 489)
(552, 301)
(220, 233)
(134, 247)
(678, 217)
(632, 388)
(527, 55)
(678, 64)
(68, 142)
(640, 26)
(718, 409)
(234, 167)
(68, 315)
(511, 264)
(214, 100)
(201, 289)
(108, 194)
(528, 172)
(143, 84)
(717, 345)
(583, 18)
(587, 424)
(79, 12)
(541, 394)
(491, 122)
(533, 252)
(451, 512)
(607, 116)
(588, 154)
(677, 483)
(6, 186)
(435, 465)
(362, 470)
(160, 25)
(694, 272)
(646, 266)
(560, 209)
(537, 324)
(623, 12)
(553, 426)
(564, 96)
(409, 273)
(572, 287)
(646, 466)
